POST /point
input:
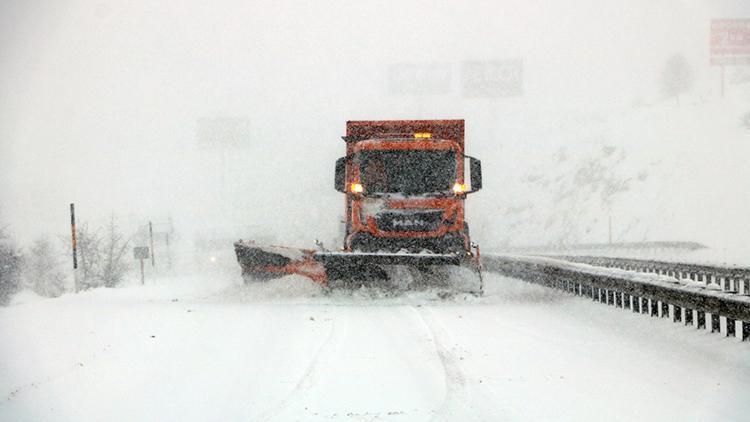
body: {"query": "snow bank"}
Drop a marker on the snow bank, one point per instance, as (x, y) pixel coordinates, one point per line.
(25, 296)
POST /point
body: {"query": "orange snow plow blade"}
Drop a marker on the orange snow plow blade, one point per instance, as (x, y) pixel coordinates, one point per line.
(268, 262)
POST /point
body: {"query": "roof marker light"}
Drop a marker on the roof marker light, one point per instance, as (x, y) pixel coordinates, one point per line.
(422, 135)
(459, 188)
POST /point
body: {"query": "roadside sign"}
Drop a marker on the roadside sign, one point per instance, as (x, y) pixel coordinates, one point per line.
(141, 252)
(491, 79)
(419, 78)
(730, 42)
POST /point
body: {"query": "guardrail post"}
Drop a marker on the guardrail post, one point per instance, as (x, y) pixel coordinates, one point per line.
(739, 330)
(723, 326)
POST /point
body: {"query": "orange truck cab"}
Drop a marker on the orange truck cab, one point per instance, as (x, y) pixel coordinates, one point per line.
(405, 186)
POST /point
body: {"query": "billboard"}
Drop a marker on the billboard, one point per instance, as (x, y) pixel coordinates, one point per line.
(223, 132)
(419, 78)
(491, 79)
(730, 42)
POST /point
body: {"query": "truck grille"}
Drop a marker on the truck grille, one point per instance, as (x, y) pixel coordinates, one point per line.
(409, 220)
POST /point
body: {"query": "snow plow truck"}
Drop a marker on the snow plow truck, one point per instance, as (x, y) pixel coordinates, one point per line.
(405, 186)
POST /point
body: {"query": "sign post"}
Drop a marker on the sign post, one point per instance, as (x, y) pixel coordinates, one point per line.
(730, 44)
(140, 253)
(74, 243)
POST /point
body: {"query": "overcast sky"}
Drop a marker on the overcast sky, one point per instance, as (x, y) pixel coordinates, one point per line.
(100, 102)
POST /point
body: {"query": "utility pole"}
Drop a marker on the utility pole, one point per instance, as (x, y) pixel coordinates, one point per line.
(151, 242)
(74, 243)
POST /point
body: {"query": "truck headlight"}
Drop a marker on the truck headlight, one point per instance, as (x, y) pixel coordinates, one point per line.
(357, 188)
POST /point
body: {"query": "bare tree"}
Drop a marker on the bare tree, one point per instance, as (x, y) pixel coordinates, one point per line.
(745, 120)
(89, 257)
(676, 77)
(42, 269)
(10, 267)
(114, 248)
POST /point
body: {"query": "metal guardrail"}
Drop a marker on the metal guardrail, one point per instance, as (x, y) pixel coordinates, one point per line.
(729, 279)
(681, 300)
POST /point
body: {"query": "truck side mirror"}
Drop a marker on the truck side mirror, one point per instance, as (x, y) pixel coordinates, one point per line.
(340, 179)
(475, 171)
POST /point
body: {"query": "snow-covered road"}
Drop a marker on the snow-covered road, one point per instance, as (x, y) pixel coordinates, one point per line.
(208, 348)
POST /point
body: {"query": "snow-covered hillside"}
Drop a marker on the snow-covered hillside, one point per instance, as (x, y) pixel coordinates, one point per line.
(662, 171)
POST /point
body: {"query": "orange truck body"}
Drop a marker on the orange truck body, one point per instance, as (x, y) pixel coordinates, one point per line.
(445, 209)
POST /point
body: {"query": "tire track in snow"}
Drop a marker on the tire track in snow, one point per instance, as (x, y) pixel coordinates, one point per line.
(308, 379)
(463, 401)
(19, 389)
(455, 379)
(79, 365)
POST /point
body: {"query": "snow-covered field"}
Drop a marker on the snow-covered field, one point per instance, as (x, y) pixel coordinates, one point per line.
(205, 347)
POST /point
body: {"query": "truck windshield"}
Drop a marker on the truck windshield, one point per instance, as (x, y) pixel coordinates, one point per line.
(408, 172)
